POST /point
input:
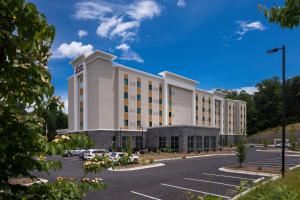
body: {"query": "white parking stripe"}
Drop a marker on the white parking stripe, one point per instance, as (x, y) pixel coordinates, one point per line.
(236, 177)
(198, 191)
(144, 195)
(205, 181)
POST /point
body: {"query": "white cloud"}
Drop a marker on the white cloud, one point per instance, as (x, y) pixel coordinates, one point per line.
(122, 30)
(82, 33)
(181, 3)
(107, 25)
(144, 9)
(72, 50)
(249, 90)
(128, 54)
(123, 47)
(244, 27)
(91, 10)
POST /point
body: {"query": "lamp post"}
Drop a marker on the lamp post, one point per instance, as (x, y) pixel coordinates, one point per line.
(142, 137)
(283, 104)
(120, 142)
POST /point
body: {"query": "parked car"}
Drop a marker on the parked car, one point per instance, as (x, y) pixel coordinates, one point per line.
(115, 156)
(75, 152)
(91, 153)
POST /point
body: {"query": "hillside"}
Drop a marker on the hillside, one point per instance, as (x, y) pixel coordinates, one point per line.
(275, 133)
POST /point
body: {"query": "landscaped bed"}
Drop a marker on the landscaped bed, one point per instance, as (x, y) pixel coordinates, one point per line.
(280, 189)
(253, 168)
(168, 155)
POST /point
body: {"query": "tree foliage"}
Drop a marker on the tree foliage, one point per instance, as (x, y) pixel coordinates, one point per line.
(287, 16)
(25, 41)
(241, 151)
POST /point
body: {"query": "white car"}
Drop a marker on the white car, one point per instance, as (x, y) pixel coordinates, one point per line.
(115, 156)
(75, 152)
(91, 153)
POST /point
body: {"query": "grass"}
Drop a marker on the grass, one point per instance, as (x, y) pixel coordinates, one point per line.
(280, 189)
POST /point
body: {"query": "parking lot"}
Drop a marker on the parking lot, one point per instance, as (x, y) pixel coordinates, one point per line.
(178, 179)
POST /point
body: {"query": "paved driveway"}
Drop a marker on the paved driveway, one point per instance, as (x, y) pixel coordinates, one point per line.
(178, 179)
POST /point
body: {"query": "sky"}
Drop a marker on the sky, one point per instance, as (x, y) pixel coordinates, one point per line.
(220, 43)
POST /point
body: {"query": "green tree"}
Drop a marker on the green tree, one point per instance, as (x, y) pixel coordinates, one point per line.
(25, 41)
(293, 138)
(128, 146)
(241, 151)
(287, 16)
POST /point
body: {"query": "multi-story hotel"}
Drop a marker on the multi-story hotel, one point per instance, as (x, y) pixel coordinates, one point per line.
(112, 102)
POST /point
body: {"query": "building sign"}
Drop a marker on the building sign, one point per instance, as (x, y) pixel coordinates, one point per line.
(78, 69)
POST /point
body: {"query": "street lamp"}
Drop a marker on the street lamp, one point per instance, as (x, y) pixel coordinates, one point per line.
(120, 142)
(283, 104)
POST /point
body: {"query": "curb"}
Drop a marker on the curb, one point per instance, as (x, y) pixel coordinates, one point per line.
(137, 168)
(248, 172)
(190, 157)
(277, 151)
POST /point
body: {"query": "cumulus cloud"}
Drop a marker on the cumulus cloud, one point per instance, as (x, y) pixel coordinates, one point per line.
(72, 50)
(117, 21)
(181, 3)
(128, 54)
(249, 90)
(244, 27)
(82, 33)
(144, 9)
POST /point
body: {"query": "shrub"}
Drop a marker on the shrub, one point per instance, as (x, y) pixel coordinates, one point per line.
(241, 151)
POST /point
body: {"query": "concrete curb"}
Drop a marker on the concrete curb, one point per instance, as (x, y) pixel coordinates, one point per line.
(137, 168)
(277, 151)
(247, 172)
(200, 156)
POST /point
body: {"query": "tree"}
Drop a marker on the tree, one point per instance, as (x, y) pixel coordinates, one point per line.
(25, 41)
(241, 151)
(287, 16)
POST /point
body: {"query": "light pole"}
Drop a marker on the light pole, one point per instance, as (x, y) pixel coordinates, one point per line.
(283, 104)
(142, 137)
(120, 142)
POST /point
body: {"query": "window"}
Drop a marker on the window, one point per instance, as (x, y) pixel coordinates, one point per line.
(170, 103)
(150, 111)
(197, 117)
(196, 108)
(81, 97)
(206, 142)
(138, 123)
(174, 143)
(160, 101)
(160, 89)
(150, 99)
(160, 113)
(138, 110)
(150, 87)
(160, 123)
(203, 99)
(124, 142)
(198, 143)
(126, 122)
(162, 142)
(170, 114)
(138, 97)
(139, 84)
(203, 118)
(139, 142)
(125, 81)
(203, 109)
(125, 108)
(114, 142)
(213, 142)
(150, 124)
(125, 95)
(196, 97)
(190, 143)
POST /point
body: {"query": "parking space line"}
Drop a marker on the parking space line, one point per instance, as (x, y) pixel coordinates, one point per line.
(227, 176)
(213, 182)
(144, 195)
(192, 190)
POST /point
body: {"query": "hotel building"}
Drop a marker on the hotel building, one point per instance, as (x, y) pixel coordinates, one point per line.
(112, 102)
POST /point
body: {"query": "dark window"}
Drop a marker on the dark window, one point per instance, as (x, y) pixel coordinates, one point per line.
(203, 109)
(197, 117)
(196, 108)
(150, 111)
(138, 123)
(203, 118)
(139, 142)
(138, 97)
(160, 101)
(213, 142)
(170, 103)
(150, 99)
(196, 97)
(125, 81)
(190, 143)
(203, 99)
(125, 95)
(125, 122)
(150, 124)
(162, 142)
(150, 87)
(138, 110)
(175, 143)
(206, 142)
(138, 84)
(198, 143)
(124, 142)
(114, 141)
(170, 114)
(160, 89)
(160, 123)
(160, 113)
(125, 108)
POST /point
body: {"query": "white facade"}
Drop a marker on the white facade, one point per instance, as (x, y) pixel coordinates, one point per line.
(108, 96)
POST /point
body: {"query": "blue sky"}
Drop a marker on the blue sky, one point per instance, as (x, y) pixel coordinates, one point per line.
(220, 43)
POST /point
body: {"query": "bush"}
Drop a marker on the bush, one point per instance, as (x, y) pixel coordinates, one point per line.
(241, 151)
